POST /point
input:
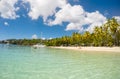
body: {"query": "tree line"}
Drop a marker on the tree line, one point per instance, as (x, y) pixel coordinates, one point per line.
(25, 42)
(107, 34)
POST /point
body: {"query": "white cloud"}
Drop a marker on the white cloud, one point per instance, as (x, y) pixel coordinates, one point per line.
(6, 24)
(68, 14)
(34, 36)
(8, 10)
(117, 18)
(78, 18)
(94, 19)
(74, 26)
(43, 38)
(62, 11)
(50, 38)
(44, 8)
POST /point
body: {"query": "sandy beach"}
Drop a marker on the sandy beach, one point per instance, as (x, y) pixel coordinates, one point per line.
(103, 49)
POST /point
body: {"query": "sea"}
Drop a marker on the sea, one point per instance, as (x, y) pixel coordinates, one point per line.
(25, 62)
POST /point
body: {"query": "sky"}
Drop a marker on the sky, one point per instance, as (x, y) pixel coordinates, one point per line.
(21, 19)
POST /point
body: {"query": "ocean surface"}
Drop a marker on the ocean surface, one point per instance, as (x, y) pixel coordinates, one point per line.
(22, 62)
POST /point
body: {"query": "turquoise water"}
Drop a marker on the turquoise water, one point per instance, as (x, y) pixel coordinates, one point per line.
(19, 62)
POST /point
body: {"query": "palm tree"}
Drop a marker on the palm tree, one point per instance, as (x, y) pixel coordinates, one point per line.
(76, 38)
(114, 25)
(87, 38)
(96, 36)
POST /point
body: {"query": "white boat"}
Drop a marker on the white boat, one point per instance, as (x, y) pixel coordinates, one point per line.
(38, 46)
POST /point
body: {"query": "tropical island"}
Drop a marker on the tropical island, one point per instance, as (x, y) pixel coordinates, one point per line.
(107, 35)
(59, 39)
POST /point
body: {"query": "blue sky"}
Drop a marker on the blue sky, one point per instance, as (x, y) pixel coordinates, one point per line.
(25, 18)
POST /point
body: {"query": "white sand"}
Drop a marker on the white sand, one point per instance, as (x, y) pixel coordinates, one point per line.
(104, 49)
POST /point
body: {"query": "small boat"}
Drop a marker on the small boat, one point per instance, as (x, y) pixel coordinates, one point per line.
(38, 46)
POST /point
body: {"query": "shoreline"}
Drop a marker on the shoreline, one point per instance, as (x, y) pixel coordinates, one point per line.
(91, 49)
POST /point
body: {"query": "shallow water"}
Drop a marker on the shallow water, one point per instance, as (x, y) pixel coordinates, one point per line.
(20, 62)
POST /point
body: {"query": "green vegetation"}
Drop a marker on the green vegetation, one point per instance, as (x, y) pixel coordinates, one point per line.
(26, 42)
(106, 35)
